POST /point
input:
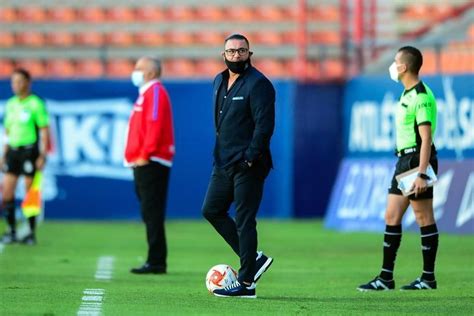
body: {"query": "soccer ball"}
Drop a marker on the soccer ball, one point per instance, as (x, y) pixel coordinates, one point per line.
(220, 276)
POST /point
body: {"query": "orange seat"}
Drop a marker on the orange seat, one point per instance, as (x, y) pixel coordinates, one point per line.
(332, 69)
(120, 14)
(61, 38)
(31, 14)
(60, 68)
(30, 38)
(211, 13)
(180, 13)
(6, 68)
(148, 38)
(34, 66)
(119, 38)
(271, 67)
(90, 38)
(8, 15)
(416, 11)
(269, 38)
(291, 12)
(7, 39)
(119, 68)
(303, 70)
(89, 68)
(429, 62)
(149, 14)
(271, 13)
(324, 13)
(326, 37)
(442, 10)
(178, 68)
(241, 14)
(180, 38)
(457, 61)
(209, 37)
(292, 37)
(62, 14)
(91, 14)
(208, 68)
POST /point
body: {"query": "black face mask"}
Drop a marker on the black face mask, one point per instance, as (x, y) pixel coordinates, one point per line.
(237, 67)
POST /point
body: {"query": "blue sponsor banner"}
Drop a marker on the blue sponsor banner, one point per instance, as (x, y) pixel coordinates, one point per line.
(369, 116)
(85, 176)
(359, 196)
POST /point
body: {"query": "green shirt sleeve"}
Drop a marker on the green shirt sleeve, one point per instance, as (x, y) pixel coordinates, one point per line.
(41, 115)
(6, 119)
(424, 110)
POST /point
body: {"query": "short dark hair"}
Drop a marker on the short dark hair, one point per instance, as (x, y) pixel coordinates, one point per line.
(413, 58)
(237, 36)
(25, 73)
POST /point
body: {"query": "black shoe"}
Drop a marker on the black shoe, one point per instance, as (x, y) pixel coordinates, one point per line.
(237, 290)
(420, 284)
(377, 284)
(262, 264)
(29, 240)
(8, 238)
(149, 269)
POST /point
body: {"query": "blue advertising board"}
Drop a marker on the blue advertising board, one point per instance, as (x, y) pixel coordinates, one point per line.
(85, 176)
(359, 195)
(369, 111)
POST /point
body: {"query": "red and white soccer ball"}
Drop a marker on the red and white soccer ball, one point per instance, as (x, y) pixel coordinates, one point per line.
(220, 276)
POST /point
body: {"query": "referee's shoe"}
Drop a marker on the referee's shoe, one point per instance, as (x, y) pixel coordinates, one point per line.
(377, 284)
(420, 284)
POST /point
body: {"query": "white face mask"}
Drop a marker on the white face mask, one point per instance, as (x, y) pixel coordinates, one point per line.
(137, 78)
(393, 72)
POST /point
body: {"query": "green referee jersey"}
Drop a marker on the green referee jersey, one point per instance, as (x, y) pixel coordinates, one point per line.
(22, 118)
(417, 106)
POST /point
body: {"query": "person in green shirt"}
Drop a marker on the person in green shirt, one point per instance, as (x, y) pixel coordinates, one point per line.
(415, 128)
(26, 127)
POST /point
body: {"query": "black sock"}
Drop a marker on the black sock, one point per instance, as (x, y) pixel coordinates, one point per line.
(391, 243)
(9, 207)
(32, 222)
(429, 247)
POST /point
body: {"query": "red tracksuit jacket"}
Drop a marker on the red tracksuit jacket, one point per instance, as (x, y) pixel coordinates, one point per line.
(150, 132)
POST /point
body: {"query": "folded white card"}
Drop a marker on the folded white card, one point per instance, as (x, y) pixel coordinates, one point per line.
(405, 180)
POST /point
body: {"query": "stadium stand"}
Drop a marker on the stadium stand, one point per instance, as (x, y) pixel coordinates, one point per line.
(189, 35)
(35, 67)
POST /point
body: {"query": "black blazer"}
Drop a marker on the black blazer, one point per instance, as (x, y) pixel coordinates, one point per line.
(245, 126)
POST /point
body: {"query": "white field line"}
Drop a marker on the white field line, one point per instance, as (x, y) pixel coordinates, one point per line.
(92, 299)
(105, 266)
(1, 247)
(91, 302)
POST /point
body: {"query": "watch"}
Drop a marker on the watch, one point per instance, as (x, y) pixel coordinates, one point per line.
(424, 176)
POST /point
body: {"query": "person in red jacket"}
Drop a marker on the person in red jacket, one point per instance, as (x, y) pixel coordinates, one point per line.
(149, 151)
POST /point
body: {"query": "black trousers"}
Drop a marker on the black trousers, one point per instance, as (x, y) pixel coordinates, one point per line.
(151, 187)
(244, 186)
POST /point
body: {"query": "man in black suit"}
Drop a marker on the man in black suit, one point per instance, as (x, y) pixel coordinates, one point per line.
(244, 101)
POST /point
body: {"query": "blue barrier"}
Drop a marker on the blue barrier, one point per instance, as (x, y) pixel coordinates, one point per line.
(369, 109)
(359, 194)
(85, 177)
(318, 146)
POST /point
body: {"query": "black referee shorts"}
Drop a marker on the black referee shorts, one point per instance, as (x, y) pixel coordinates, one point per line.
(406, 163)
(21, 161)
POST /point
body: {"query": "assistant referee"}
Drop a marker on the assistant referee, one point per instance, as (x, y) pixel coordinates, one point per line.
(26, 127)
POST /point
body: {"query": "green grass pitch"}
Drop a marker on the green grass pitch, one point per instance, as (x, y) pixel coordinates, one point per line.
(315, 272)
